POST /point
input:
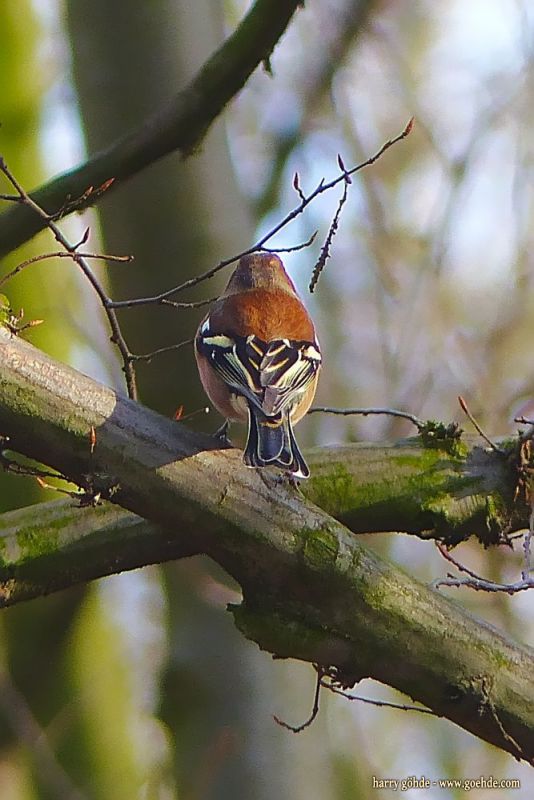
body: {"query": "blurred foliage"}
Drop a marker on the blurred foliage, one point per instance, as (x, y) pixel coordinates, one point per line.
(106, 706)
(141, 687)
(31, 638)
(19, 144)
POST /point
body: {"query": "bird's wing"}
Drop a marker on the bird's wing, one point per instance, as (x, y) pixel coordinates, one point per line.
(285, 373)
(272, 375)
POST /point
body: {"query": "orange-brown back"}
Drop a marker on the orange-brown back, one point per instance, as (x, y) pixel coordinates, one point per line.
(268, 314)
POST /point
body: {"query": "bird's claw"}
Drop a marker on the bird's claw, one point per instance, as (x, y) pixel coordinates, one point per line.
(222, 433)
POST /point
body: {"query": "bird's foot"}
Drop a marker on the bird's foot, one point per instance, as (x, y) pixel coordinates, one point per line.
(292, 480)
(222, 433)
(274, 478)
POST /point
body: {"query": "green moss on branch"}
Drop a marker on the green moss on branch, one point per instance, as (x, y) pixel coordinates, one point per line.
(328, 597)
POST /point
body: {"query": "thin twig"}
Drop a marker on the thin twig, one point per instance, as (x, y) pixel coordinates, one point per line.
(381, 703)
(524, 420)
(78, 202)
(61, 254)
(117, 336)
(325, 187)
(110, 305)
(365, 412)
(296, 187)
(191, 414)
(507, 736)
(315, 708)
(193, 304)
(334, 225)
(295, 248)
(460, 567)
(463, 406)
(13, 321)
(159, 298)
(260, 244)
(27, 470)
(489, 704)
(478, 583)
(162, 302)
(481, 585)
(149, 356)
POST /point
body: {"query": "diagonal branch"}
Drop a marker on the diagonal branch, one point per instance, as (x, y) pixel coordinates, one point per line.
(311, 591)
(180, 126)
(72, 250)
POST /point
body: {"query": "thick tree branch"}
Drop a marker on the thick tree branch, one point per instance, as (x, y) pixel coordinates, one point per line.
(311, 591)
(59, 544)
(180, 126)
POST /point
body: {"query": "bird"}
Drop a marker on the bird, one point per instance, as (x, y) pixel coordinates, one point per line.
(259, 359)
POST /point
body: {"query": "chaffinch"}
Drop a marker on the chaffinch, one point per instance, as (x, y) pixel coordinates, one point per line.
(259, 360)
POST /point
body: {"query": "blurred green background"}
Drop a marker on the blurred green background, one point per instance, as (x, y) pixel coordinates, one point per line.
(138, 686)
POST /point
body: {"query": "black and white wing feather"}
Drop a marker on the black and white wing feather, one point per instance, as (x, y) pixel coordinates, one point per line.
(272, 375)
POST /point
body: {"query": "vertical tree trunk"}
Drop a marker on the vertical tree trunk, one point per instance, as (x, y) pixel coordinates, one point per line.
(180, 218)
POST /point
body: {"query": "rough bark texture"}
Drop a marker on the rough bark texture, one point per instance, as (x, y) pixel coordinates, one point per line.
(311, 591)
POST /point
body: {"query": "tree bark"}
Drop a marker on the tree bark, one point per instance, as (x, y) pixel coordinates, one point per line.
(311, 591)
(179, 126)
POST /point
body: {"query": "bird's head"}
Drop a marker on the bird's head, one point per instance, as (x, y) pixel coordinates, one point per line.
(260, 271)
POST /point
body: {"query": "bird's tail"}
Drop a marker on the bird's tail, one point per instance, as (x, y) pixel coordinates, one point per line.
(271, 442)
